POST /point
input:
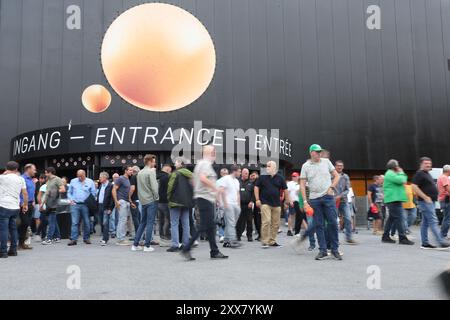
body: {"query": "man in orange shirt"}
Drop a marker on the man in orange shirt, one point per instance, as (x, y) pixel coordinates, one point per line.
(443, 185)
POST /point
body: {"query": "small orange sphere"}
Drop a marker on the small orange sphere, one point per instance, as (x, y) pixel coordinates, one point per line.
(96, 98)
(310, 212)
(158, 57)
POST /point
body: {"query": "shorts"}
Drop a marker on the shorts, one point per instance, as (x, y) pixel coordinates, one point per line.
(291, 211)
(36, 213)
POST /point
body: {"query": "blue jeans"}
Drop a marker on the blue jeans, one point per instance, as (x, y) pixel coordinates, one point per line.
(411, 216)
(106, 223)
(325, 209)
(344, 210)
(147, 221)
(175, 215)
(112, 221)
(77, 211)
(135, 215)
(53, 228)
(429, 220)
(8, 227)
(446, 221)
(311, 231)
(221, 232)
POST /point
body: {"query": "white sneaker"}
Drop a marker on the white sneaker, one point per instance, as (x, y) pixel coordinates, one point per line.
(47, 242)
(102, 243)
(222, 239)
(37, 238)
(149, 249)
(286, 224)
(195, 243)
(138, 248)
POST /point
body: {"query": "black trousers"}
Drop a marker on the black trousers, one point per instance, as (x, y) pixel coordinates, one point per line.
(207, 225)
(299, 217)
(245, 221)
(394, 219)
(25, 222)
(257, 219)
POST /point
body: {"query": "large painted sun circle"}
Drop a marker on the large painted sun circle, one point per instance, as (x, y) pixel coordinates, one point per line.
(158, 57)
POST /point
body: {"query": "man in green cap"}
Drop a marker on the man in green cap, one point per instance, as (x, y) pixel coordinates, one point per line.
(318, 173)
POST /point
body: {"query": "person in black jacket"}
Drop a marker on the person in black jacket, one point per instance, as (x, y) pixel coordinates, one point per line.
(246, 195)
(180, 197)
(105, 204)
(163, 205)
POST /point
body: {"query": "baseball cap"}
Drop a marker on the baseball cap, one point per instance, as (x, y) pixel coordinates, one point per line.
(295, 174)
(315, 147)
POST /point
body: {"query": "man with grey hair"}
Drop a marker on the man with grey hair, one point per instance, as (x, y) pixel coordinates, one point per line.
(394, 196)
(105, 205)
(267, 190)
(427, 194)
(79, 190)
(443, 185)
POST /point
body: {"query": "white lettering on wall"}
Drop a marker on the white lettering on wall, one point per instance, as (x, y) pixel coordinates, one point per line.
(73, 21)
(374, 20)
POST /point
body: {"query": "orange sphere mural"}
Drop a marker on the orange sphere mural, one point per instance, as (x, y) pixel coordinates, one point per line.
(96, 98)
(158, 57)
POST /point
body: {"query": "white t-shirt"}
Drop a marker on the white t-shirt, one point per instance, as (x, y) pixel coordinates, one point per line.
(350, 195)
(11, 186)
(293, 188)
(231, 186)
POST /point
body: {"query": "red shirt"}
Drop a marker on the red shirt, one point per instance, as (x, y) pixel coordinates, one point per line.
(442, 183)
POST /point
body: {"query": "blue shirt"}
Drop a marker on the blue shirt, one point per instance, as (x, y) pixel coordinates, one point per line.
(79, 191)
(101, 195)
(31, 188)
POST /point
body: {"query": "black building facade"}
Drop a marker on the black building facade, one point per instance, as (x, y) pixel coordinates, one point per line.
(367, 79)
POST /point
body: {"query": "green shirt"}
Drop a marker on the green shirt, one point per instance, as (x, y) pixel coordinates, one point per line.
(147, 186)
(394, 186)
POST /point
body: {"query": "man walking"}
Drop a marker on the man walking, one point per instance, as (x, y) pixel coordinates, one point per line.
(427, 193)
(80, 189)
(322, 180)
(26, 217)
(394, 196)
(134, 200)
(267, 194)
(105, 205)
(180, 195)
(342, 190)
(205, 194)
(229, 187)
(11, 187)
(443, 185)
(245, 220)
(120, 193)
(163, 204)
(54, 185)
(293, 188)
(148, 197)
(375, 196)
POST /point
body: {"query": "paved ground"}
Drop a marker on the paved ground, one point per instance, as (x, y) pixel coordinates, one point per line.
(115, 272)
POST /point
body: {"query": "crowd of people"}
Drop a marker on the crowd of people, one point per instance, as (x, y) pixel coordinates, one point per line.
(186, 205)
